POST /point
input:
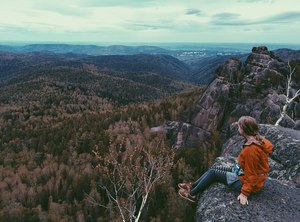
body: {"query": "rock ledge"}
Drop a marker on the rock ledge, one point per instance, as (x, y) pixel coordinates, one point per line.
(277, 201)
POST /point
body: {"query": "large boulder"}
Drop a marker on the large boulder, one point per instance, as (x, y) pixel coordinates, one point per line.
(280, 197)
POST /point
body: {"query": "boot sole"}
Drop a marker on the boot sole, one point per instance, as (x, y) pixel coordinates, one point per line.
(193, 201)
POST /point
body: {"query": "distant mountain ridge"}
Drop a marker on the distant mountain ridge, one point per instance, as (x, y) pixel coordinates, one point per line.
(199, 65)
(165, 65)
(287, 54)
(87, 49)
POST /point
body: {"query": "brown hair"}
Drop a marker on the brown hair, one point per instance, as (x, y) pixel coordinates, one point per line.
(248, 125)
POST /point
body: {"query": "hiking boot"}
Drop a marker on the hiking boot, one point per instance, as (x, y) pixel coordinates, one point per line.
(185, 186)
(186, 195)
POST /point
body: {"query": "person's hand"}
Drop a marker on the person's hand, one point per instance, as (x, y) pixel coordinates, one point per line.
(243, 199)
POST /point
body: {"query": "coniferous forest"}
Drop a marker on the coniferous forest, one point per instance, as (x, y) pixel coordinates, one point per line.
(53, 126)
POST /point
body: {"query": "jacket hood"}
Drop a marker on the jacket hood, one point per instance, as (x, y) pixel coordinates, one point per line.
(263, 143)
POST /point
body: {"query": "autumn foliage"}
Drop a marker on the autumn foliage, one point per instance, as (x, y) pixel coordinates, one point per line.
(130, 171)
(49, 171)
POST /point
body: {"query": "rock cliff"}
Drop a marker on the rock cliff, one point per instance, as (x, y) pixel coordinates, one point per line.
(256, 88)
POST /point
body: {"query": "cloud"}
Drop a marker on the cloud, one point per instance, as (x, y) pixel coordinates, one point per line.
(146, 25)
(229, 19)
(193, 11)
(140, 27)
(61, 8)
(226, 15)
(284, 17)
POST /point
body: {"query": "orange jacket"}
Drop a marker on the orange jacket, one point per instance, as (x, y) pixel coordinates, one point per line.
(253, 159)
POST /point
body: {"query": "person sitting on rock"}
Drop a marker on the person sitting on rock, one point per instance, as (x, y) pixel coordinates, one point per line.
(247, 176)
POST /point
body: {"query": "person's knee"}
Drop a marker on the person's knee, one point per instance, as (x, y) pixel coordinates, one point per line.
(211, 172)
(218, 175)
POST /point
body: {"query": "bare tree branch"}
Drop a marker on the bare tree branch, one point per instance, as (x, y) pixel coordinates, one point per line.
(132, 173)
(288, 100)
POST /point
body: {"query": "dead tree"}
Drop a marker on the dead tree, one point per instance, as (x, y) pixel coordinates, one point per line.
(288, 99)
(131, 173)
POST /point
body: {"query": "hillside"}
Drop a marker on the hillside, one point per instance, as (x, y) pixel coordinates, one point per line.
(66, 84)
(288, 54)
(11, 63)
(204, 69)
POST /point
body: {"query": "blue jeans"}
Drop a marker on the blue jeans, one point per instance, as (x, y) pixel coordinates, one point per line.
(217, 174)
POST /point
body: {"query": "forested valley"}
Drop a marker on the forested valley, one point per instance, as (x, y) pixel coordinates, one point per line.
(52, 124)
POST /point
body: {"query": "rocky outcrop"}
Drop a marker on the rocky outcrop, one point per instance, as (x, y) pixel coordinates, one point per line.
(181, 134)
(210, 109)
(280, 197)
(256, 88)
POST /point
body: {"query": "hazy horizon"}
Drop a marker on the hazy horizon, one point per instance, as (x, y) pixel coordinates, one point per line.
(244, 47)
(151, 21)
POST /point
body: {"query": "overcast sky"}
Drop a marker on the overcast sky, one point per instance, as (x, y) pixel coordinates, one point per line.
(119, 21)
